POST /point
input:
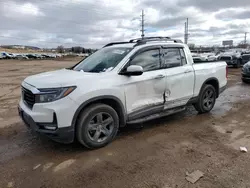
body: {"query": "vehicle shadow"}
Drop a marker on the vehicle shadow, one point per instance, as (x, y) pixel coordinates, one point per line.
(46, 144)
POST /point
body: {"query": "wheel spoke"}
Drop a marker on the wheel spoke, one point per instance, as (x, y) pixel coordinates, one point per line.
(107, 121)
(99, 118)
(105, 131)
(210, 101)
(205, 96)
(97, 135)
(92, 127)
(210, 94)
(205, 101)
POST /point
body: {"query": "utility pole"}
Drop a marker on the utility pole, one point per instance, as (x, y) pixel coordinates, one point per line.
(142, 24)
(245, 41)
(186, 32)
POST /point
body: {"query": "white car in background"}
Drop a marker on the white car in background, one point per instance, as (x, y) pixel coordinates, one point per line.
(21, 56)
(199, 57)
(212, 57)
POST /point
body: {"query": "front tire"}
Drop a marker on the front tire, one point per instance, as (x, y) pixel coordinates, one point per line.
(244, 81)
(97, 126)
(206, 99)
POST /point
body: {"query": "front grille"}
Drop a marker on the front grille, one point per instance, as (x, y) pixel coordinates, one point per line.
(28, 97)
(225, 58)
(246, 57)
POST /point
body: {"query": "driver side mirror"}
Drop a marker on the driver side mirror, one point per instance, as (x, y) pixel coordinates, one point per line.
(133, 70)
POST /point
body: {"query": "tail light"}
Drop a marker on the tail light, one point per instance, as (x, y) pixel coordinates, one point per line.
(226, 71)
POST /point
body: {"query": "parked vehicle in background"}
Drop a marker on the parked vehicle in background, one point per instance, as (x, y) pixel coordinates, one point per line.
(199, 58)
(212, 57)
(231, 59)
(1, 55)
(45, 56)
(135, 81)
(6, 55)
(245, 74)
(245, 58)
(21, 56)
(13, 56)
(31, 56)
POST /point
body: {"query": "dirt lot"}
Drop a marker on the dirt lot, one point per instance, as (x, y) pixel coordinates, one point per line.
(156, 156)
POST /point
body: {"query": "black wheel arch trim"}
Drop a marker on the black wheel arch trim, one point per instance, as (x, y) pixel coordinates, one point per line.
(208, 80)
(123, 119)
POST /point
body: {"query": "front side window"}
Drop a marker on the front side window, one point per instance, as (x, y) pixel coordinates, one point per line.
(149, 60)
(103, 60)
(172, 58)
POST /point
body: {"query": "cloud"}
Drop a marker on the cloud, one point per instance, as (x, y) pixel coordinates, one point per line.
(89, 23)
(17, 10)
(209, 6)
(234, 14)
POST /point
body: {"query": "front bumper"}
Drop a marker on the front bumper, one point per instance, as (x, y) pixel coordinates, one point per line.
(232, 62)
(62, 135)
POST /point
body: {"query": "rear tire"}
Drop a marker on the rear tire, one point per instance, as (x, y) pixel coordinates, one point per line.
(244, 81)
(206, 99)
(97, 126)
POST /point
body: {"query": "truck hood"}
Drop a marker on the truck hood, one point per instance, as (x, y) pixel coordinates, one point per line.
(60, 78)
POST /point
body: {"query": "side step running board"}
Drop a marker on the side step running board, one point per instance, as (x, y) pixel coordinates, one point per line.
(159, 115)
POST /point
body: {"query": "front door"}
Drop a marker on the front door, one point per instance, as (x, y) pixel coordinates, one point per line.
(179, 78)
(145, 93)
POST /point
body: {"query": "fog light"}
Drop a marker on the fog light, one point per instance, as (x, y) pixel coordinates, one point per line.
(50, 128)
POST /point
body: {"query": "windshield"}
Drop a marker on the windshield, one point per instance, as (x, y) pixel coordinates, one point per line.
(103, 60)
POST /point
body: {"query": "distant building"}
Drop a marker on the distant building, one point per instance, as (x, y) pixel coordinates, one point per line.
(19, 47)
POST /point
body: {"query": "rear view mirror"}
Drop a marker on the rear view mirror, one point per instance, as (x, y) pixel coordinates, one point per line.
(134, 70)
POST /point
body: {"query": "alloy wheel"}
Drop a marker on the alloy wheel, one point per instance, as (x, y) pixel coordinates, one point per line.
(100, 127)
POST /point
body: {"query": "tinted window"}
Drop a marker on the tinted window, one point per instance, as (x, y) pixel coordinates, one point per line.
(149, 60)
(172, 58)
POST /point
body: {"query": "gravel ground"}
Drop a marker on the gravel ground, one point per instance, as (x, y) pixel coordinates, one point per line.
(155, 156)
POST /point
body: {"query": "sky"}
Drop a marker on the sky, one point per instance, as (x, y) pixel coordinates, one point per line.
(93, 23)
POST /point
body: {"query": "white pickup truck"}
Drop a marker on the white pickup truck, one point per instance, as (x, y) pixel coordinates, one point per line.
(122, 83)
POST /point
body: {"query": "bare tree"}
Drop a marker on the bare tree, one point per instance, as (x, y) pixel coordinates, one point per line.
(60, 49)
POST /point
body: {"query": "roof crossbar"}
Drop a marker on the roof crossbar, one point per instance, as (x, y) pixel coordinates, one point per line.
(114, 43)
(141, 41)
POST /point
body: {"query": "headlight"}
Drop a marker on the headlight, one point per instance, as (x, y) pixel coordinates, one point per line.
(53, 94)
(244, 68)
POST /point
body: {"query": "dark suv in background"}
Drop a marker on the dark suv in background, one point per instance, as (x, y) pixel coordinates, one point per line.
(231, 59)
(245, 58)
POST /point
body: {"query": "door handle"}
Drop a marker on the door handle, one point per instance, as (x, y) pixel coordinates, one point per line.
(160, 76)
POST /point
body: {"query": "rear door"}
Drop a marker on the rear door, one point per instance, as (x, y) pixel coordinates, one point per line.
(179, 77)
(145, 93)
